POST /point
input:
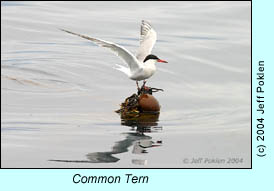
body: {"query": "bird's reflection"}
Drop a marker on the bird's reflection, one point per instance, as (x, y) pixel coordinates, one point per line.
(145, 123)
(141, 125)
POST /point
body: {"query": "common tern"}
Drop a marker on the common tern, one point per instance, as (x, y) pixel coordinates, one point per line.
(140, 67)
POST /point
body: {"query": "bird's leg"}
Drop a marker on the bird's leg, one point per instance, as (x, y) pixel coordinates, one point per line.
(144, 84)
(138, 88)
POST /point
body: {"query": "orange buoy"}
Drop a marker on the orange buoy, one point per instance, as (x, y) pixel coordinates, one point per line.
(148, 103)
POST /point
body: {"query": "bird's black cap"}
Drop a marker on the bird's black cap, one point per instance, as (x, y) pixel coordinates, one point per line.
(151, 56)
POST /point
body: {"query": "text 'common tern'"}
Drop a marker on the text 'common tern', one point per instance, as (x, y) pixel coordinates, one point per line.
(140, 67)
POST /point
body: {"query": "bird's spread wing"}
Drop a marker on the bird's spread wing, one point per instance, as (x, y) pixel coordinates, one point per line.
(120, 51)
(147, 40)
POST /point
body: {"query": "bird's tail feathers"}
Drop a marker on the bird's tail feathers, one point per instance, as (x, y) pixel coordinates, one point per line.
(123, 69)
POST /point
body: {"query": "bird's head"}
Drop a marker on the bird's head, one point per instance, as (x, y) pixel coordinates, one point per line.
(153, 57)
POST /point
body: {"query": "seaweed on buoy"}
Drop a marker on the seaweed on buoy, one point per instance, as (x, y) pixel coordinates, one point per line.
(141, 104)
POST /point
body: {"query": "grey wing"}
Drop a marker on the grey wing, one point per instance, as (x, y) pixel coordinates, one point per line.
(120, 51)
(147, 40)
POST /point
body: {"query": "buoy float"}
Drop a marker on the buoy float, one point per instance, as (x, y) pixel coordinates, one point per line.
(148, 103)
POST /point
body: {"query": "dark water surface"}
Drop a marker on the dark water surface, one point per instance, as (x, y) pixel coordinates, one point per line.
(59, 92)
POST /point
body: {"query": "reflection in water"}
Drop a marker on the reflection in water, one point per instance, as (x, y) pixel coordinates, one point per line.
(145, 123)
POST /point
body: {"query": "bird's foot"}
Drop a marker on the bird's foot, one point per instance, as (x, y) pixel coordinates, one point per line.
(145, 87)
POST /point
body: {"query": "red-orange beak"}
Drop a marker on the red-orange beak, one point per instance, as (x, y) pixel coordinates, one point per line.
(159, 60)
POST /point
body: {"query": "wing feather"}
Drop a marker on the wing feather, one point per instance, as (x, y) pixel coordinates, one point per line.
(147, 40)
(120, 51)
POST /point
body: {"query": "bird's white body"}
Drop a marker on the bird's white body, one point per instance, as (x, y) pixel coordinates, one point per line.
(146, 70)
(138, 69)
